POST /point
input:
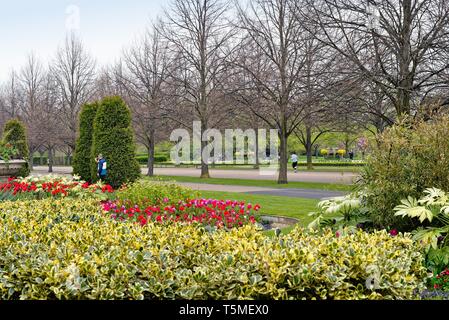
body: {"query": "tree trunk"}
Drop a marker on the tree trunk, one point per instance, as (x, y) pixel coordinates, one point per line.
(283, 161)
(405, 85)
(204, 165)
(151, 146)
(50, 160)
(347, 145)
(31, 160)
(257, 165)
(309, 148)
(204, 162)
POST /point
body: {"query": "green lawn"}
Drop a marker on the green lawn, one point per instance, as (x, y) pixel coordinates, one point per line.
(262, 183)
(302, 167)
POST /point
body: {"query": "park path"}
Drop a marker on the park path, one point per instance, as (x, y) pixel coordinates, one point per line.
(327, 177)
(263, 174)
(315, 176)
(292, 193)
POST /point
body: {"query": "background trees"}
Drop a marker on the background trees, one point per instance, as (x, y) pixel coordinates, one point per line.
(398, 45)
(74, 72)
(303, 67)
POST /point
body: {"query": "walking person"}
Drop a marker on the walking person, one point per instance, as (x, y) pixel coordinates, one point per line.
(101, 167)
(295, 161)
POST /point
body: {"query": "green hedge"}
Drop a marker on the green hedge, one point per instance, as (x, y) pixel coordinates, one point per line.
(335, 164)
(83, 151)
(143, 159)
(114, 138)
(70, 250)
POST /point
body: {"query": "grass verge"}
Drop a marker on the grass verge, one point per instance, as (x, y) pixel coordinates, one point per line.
(261, 183)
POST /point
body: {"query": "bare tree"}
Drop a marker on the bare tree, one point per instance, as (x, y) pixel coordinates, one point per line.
(145, 73)
(106, 83)
(199, 35)
(31, 81)
(398, 45)
(49, 119)
(74, 71)
(272, 27)
(317, 80)
(12, 96)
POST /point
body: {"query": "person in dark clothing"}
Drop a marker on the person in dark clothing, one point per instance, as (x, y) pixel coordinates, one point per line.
(101, 167)
(351, 155)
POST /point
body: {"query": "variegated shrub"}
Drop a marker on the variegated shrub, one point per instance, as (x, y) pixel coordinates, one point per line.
(69, 249)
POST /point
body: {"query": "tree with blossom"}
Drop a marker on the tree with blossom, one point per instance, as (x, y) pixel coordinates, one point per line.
(362, 145)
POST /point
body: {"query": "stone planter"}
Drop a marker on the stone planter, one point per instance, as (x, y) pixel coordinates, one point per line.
(10, 169)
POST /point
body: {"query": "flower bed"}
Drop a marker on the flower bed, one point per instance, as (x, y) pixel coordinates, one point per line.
(50, 186)
(217, 213)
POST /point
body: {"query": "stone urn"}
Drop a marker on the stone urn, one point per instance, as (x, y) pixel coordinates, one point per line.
(11, 168)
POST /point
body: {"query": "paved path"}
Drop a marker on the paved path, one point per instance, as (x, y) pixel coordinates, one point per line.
(301, 193)
(323, 177)
(292, 193)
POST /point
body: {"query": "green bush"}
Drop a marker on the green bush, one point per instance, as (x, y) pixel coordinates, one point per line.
(340, 212)
(83, 151)
(407, 159)
(431, 210)
(15, 133)
(336, 164)
(70, 250)
(113, 137)
(143, 192)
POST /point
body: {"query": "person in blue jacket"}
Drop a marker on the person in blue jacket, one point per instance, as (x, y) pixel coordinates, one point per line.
(102, 169)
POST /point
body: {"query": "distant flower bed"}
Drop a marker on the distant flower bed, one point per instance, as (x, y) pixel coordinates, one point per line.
(51, 186)
(216, 213)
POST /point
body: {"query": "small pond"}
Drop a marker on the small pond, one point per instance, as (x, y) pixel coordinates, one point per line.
(275, 222)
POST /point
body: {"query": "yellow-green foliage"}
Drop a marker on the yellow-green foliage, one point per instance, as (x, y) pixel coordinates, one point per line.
(68, 249)
(408, 158)
(145, 192)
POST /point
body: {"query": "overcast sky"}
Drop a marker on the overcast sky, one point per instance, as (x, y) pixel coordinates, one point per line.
(105, 26)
